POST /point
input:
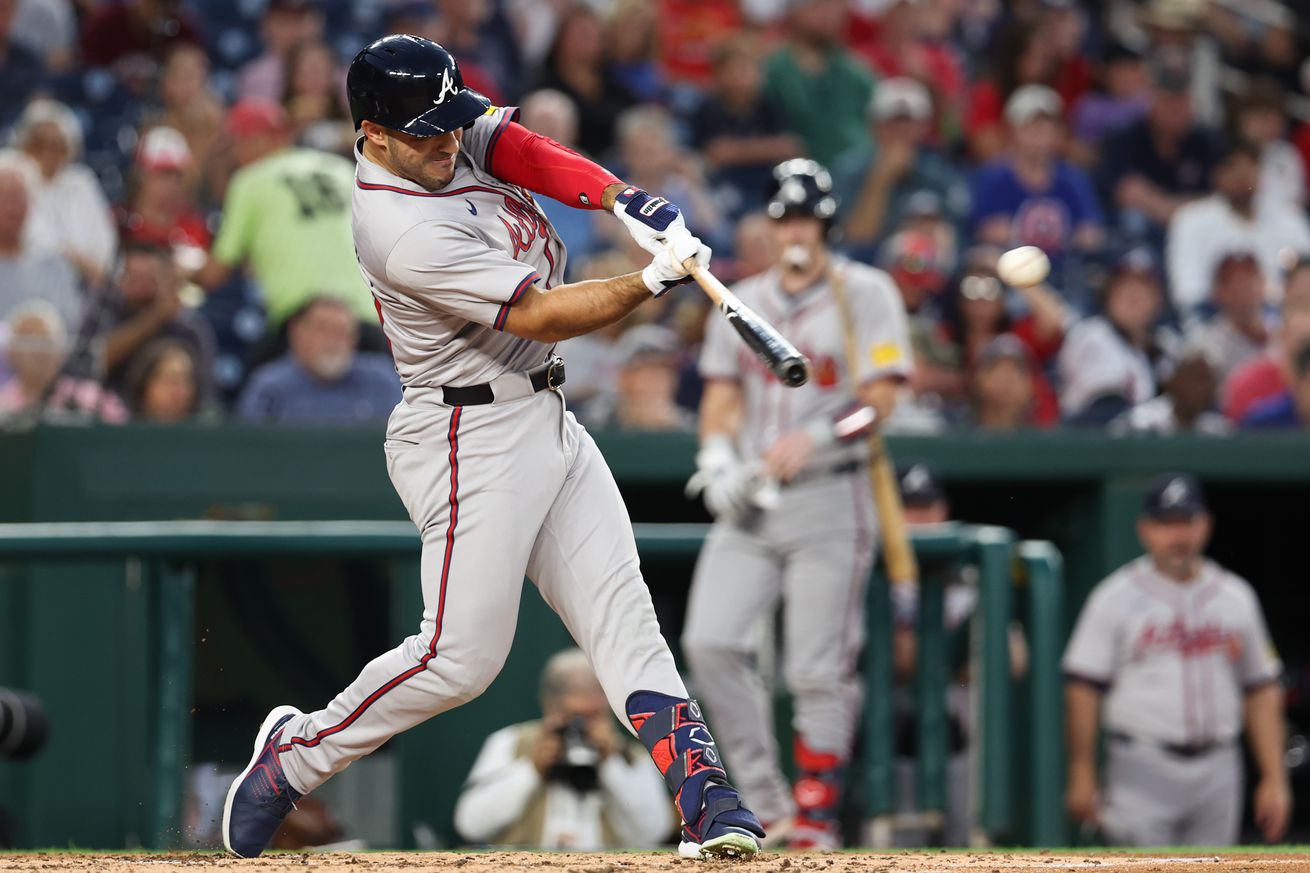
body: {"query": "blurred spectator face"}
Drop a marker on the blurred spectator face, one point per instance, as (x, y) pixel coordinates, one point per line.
(170, 391)
(646, 143)
(7, 8)
(922, 495)
(649, 379)
(631, 32)
(145, 274)
(323, 339)
(36, 349)
(257, 128)
(1236, 179)
(799, 239)
(1296, 291)
(185, 78)
(551, 113)
(581, 38)
(1133, 302)
(285, 25)
(1175, 544)
(1261, 124)
(313, 71)
(1192, 387)
(1003, 393)
(13, 206)
(1171, 113)
(818, 22)
(47, 145)
(463, 13)
(570, 690)
(913, 262)
(754, 245)
(1125, 76)
(737, 73)
(1238, 284)
(1039, 138)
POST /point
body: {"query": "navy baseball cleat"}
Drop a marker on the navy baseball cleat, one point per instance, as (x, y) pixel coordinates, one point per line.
(714, 822)
(260, 797)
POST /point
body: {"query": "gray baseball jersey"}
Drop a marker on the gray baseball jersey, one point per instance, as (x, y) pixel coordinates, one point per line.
(1096, 362)
(445, 266)
(813, 553)
(812, 321)
(498, 491)
(1176, 660)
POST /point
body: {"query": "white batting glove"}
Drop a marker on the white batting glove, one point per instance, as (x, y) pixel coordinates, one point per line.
(730, 488)
(652, 221)
(666, 270)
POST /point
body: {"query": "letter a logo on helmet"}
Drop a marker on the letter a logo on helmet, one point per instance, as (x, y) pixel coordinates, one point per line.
(412, 85)
(447, 87)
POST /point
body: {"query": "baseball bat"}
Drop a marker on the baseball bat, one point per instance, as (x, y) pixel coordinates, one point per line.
(780, 356)
(902, 565)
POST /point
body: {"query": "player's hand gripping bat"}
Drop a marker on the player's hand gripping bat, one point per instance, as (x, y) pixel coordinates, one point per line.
(779, 355)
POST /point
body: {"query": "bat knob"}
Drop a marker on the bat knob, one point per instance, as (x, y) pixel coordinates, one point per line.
(794, 372)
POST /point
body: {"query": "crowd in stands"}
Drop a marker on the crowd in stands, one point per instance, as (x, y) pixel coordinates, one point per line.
(175, 185)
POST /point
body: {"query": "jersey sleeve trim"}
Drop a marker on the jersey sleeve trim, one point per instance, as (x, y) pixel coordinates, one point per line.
(1101, 685)
(503, 314)
(1260, 684)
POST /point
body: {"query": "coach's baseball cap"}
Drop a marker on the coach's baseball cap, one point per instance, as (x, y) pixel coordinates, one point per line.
(919, 485)
(1174, 496)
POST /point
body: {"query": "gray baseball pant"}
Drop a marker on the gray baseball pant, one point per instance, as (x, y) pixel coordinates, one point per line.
(498, 492)
(814, 554)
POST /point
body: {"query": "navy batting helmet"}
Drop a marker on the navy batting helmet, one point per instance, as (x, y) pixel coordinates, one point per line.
(802, 187)
(412, 85)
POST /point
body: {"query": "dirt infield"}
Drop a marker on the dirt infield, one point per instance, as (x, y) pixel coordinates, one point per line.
(544, 862)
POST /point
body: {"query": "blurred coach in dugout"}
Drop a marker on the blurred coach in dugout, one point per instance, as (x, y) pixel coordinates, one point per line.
(1172, 658)
(567, 781)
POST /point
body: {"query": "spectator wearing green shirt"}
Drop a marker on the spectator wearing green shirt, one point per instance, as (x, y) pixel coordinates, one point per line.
(823, 89)
(286, 218)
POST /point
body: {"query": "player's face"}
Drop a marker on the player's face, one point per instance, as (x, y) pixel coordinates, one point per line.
(428, 161)
(799, 239)
(1175, 545)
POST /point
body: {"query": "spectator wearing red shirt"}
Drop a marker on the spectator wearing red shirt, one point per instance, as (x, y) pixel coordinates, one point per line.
(133, 37)
(159, 211)
(1266, 376)
(904, 42)
(690, 32)
(978, 307)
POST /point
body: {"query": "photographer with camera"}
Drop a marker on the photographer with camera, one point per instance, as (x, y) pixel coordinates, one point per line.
(570, 780)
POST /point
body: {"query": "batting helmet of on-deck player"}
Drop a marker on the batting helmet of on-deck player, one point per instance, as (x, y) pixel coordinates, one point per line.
(802, 187)
(413, 85)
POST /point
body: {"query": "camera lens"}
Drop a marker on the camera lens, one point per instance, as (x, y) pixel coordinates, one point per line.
(23, 725)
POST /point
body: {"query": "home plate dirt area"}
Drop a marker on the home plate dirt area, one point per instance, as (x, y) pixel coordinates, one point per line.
(1176, 861)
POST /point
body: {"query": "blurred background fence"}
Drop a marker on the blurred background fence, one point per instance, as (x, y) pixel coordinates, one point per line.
(150, 666)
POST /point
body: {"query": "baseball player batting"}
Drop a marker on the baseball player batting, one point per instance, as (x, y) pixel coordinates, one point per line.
(782, 471)
(498, 476)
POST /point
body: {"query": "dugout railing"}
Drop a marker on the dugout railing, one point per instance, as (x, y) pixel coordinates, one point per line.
(1017, 762)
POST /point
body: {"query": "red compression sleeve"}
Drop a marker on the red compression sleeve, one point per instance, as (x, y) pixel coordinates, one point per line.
(543, 166)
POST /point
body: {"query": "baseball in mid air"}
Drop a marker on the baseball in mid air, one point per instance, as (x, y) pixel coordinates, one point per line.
(1023, 267)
